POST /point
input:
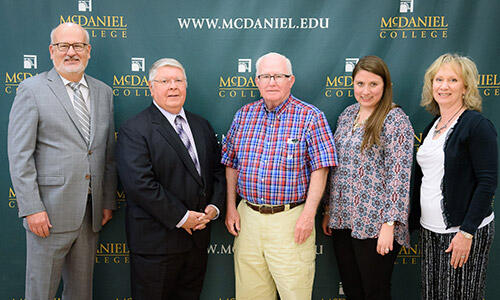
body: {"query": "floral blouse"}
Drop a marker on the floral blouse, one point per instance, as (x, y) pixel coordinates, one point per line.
(370, 188)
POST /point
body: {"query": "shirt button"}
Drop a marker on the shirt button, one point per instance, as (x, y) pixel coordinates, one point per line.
(87, 176)
(90, 152)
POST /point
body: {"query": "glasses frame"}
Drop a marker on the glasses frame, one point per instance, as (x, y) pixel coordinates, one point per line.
(58, 45)
(167, 82)
(277, 77)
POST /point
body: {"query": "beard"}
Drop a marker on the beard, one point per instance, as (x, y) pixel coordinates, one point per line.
(74, 69)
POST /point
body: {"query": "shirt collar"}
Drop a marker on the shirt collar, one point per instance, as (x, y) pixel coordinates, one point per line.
(278, 109)
(81, 82)
(171, 117)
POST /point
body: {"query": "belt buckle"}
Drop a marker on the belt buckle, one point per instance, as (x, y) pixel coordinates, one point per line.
(261, 209)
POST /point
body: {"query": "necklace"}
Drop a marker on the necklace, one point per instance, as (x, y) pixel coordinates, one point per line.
(358, 124)
(437, 131)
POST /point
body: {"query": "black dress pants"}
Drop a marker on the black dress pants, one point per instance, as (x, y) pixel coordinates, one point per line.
(365, 274)
(172, 276)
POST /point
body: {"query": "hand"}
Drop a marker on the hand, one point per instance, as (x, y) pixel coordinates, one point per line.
(232, 220)
(210, 213)
(107, 214)
(326, 229)
(192, 221)
(39, 223)
(460, 250)
(304, 227)
(385, 239)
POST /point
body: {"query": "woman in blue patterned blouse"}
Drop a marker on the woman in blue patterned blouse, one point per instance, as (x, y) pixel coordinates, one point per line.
(367, 212)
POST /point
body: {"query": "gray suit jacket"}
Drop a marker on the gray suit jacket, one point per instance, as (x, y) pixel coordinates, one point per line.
(49, 160)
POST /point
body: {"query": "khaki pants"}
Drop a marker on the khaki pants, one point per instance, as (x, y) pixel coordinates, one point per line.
(267, 258)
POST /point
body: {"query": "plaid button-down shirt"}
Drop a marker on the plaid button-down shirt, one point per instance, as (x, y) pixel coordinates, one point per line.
(276, 151)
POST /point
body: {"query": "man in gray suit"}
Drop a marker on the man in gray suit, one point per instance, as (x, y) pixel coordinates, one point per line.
(60, 147)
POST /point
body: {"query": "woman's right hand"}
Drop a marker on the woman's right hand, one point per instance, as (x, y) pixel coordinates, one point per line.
(326, 229)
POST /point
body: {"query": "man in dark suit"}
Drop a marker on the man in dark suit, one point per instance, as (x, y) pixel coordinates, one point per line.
(169, 164)
(61, 155)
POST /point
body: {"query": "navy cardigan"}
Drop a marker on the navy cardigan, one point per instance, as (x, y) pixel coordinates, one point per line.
(470, 173)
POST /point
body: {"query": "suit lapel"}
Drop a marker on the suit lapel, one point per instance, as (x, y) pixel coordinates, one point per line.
(199, 140)
(93, 95)
(168, 132)
(57, 86)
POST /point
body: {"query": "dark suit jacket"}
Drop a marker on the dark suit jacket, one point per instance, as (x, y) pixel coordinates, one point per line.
(161, 182)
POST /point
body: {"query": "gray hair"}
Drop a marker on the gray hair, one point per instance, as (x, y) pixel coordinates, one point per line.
(287, 61)
(165, 62)
(87, 37)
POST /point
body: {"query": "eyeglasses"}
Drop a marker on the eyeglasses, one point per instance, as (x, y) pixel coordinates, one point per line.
(64, 47)
(278, 78)
(175, 81)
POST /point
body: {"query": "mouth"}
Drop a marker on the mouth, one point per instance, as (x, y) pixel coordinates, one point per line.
(71, 59)
(444, 94)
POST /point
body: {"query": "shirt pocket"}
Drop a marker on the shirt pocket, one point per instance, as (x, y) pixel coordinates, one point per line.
(293, 153)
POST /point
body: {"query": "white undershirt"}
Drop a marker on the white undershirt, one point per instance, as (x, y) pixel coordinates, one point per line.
(430, 157)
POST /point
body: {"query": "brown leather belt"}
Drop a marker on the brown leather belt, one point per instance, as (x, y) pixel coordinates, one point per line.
(272, 209)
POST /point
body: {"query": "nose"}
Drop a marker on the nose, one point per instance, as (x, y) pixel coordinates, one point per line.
(71, 51)
(272, 80)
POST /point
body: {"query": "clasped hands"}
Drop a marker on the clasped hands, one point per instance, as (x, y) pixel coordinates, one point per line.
(199, 220)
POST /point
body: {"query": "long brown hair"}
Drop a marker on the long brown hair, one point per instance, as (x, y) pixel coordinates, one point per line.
(374, 123)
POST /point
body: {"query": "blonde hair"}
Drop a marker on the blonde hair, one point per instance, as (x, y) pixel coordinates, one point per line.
(467, 70)
(375, 122)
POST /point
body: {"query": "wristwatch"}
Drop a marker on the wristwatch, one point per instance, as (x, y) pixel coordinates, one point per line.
(467, 235)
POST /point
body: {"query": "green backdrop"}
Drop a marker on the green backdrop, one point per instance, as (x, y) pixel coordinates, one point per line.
(218, 42)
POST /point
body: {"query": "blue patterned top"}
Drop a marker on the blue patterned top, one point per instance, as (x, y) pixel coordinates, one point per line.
(371, 188)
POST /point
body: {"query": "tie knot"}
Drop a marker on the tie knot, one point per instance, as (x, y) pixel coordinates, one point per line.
(74, 85)
(178, 120)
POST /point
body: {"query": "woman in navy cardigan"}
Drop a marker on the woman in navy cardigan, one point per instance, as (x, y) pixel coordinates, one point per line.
(455, 181)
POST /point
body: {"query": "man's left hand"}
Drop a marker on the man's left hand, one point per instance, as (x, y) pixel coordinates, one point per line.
(304, 227)
(107, 214)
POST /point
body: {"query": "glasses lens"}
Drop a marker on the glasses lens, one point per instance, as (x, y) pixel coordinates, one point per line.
(63, 46)
(78, 46)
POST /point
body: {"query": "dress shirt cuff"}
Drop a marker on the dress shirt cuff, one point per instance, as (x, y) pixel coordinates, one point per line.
(183, 220)
(218, 211)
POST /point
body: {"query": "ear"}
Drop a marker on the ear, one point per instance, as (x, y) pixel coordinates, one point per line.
(52, 49)
(90, 48)
(292, 80)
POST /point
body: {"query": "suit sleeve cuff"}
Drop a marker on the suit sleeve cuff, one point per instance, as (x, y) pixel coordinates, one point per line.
(183, 220)
(218, 211)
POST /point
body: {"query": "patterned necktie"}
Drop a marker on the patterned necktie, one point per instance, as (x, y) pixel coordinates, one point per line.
(81, 110)
(182, 134)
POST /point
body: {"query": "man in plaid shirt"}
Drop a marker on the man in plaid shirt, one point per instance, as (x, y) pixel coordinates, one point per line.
(277, 154)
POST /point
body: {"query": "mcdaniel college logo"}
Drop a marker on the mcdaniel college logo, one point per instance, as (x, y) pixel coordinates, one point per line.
(413, 26)
(101, 26)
